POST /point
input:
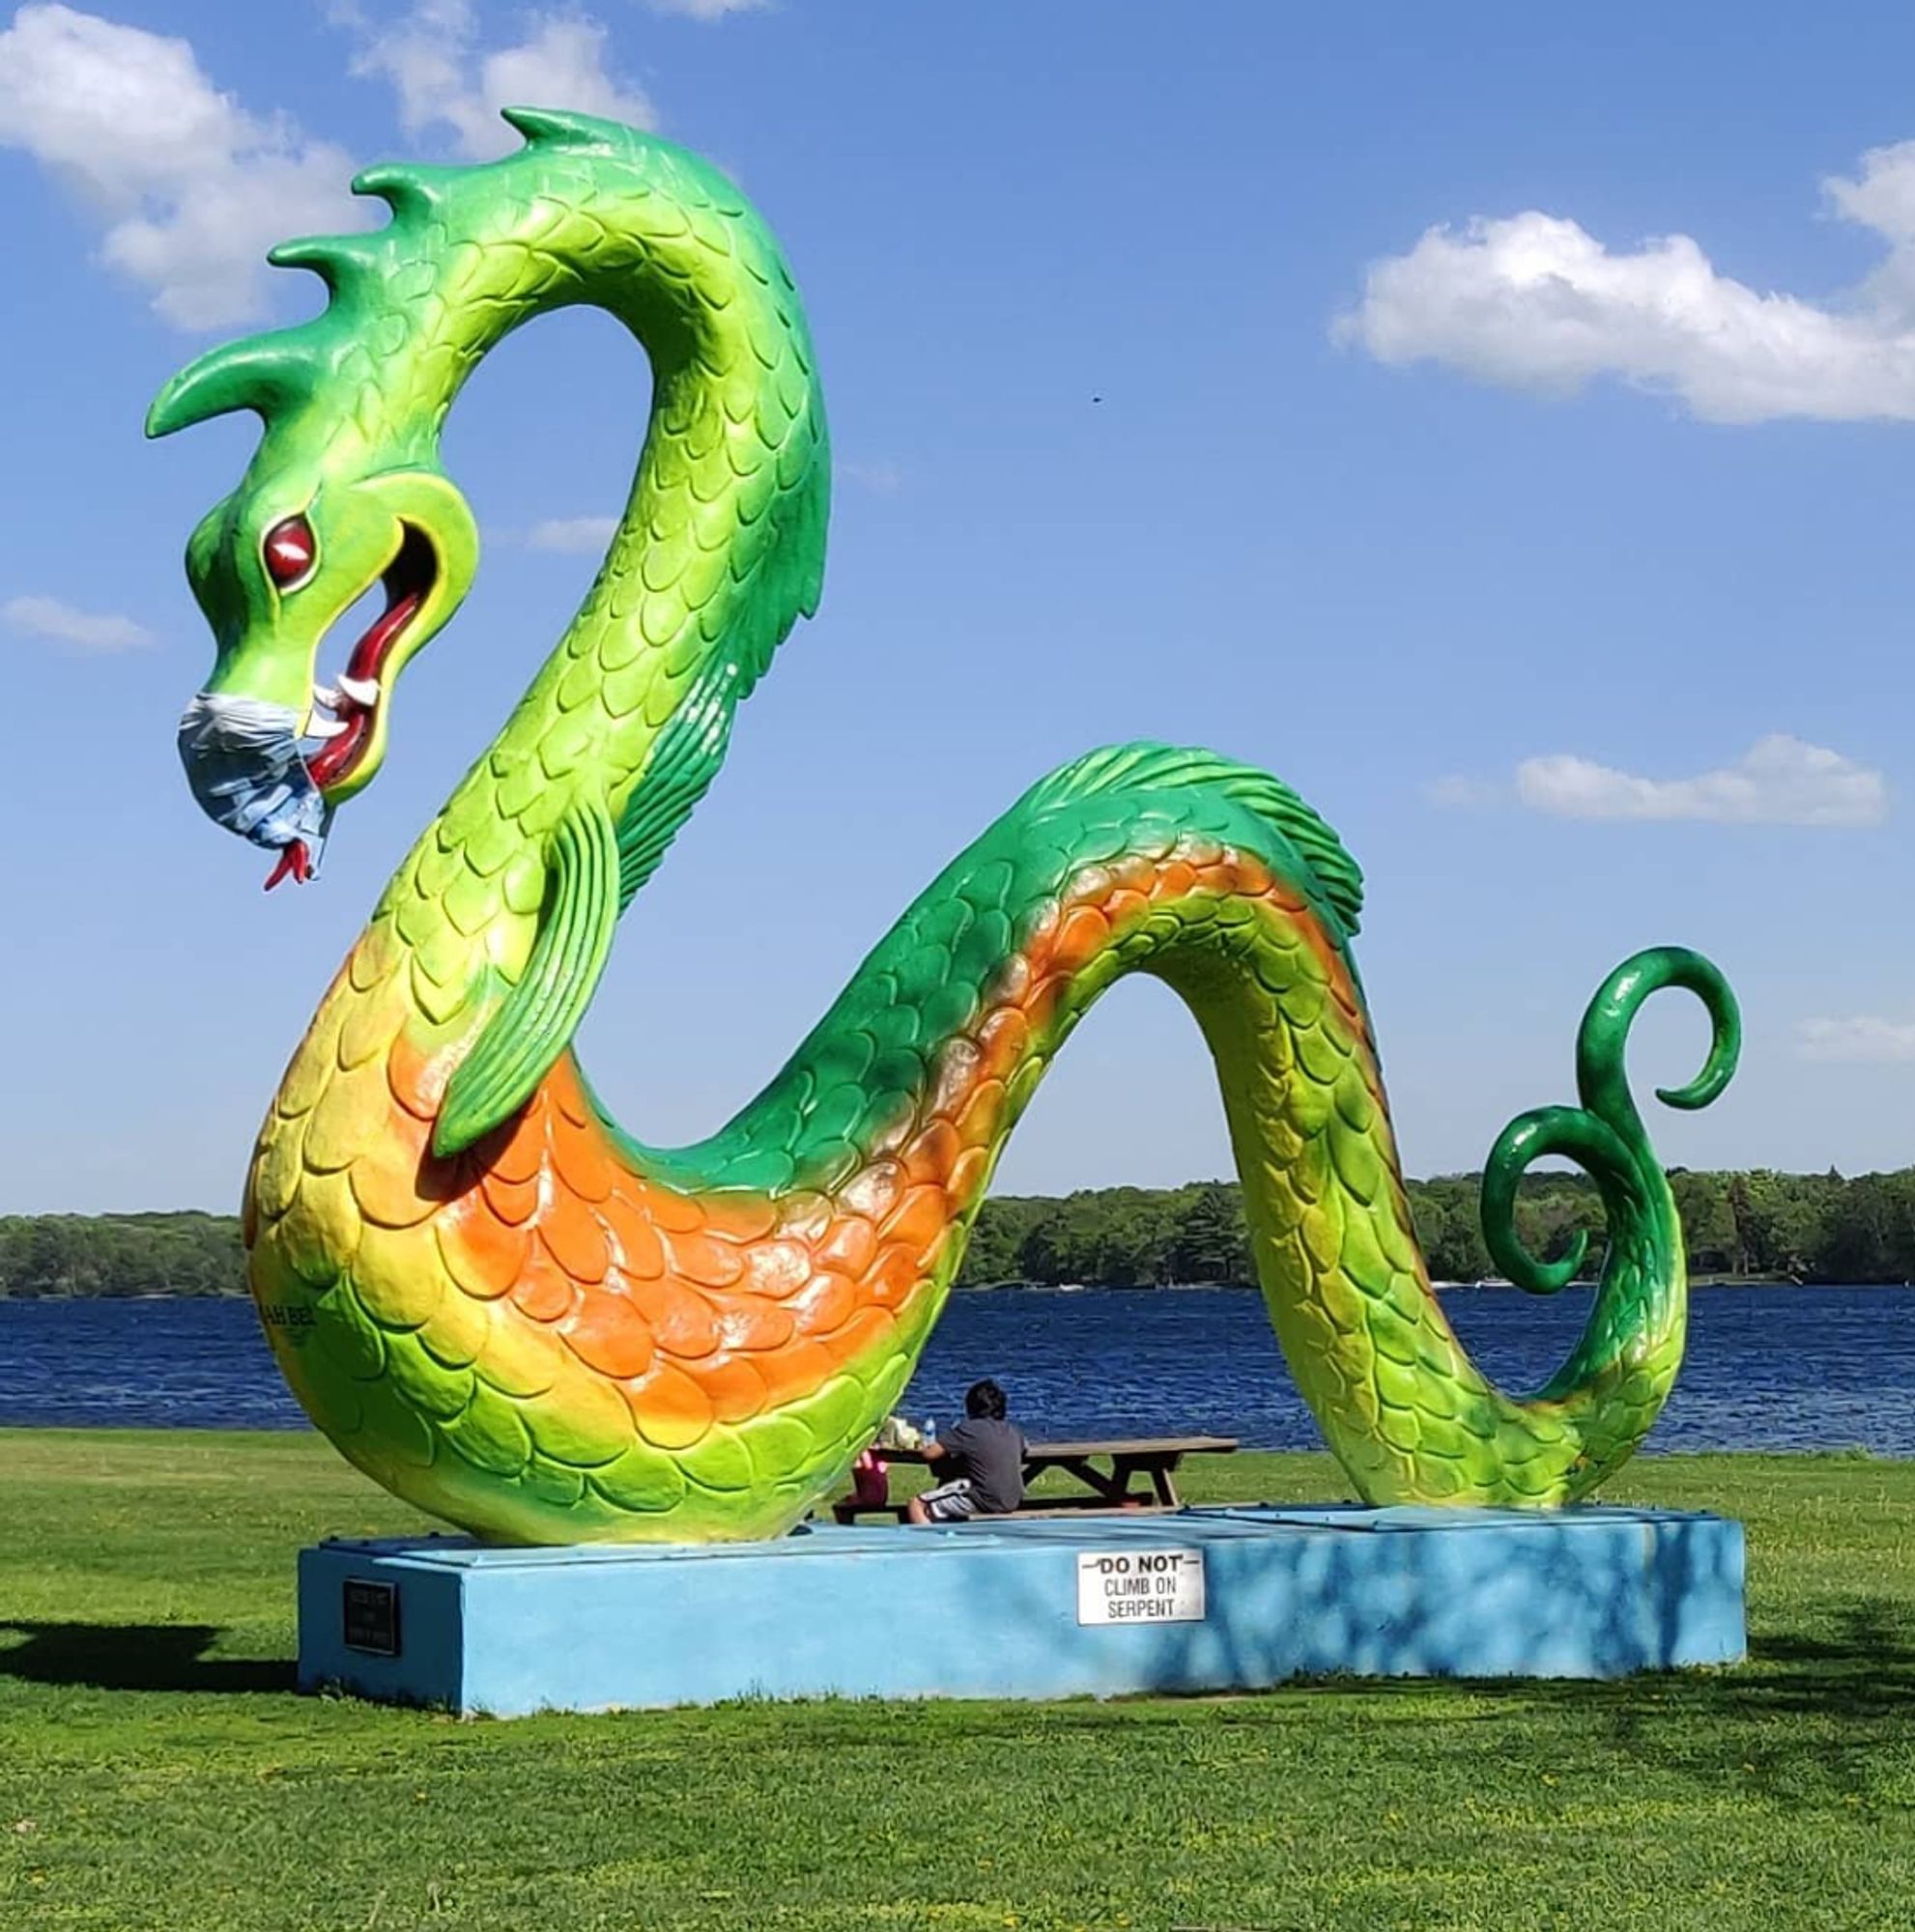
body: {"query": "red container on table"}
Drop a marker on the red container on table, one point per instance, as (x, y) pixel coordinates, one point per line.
(871, 1480)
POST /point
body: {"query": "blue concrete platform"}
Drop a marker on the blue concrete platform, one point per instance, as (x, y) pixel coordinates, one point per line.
(1198, 1600)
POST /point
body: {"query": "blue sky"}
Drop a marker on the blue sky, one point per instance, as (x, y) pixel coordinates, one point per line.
(1320, 385)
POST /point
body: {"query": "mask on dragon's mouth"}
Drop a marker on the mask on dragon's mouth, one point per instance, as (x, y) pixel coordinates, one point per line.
(245, 759)
(246, 768)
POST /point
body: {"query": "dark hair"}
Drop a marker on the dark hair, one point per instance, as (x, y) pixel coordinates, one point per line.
(985, 1400)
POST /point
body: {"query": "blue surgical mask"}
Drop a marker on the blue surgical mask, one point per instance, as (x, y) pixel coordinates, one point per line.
(244, 765)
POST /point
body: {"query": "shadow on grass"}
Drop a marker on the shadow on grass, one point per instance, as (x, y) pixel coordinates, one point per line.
(1809, 1717)
(1865, 1669)
(1814, 1715)
(135, 1656)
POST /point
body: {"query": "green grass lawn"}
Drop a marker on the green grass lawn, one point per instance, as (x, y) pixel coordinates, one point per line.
(157, 1770)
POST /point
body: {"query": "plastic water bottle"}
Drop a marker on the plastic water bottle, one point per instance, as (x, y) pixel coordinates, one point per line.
(930, 1429)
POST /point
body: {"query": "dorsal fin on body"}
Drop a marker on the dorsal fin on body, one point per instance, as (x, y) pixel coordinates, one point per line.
(1145, 766)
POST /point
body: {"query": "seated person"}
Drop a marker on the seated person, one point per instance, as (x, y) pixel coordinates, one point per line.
(985, 1459)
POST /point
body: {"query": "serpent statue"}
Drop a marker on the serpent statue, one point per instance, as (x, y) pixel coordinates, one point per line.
(515, 1315)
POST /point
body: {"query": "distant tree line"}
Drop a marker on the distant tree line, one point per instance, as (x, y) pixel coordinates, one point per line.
(120, 1254)
(1801, 1227)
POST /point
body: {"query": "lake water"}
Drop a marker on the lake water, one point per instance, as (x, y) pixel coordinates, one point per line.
(1767, 1368)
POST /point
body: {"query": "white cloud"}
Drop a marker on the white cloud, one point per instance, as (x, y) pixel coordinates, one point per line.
(190, 188)
(574, 535)
(878, 474)
(97, 631)
(1864, 1037)
(1532, 300)
(443, 79)
(1779, 781)
(708, 9)
(1457, 789)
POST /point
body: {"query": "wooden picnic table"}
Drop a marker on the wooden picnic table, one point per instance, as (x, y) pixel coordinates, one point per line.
(1155, 1458)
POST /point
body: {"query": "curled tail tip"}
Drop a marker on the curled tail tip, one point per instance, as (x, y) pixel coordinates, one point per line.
(1603, 1039)
(1605, 1135)
(1567, 1132)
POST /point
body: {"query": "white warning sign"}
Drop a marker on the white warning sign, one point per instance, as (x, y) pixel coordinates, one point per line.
(1141, 1586)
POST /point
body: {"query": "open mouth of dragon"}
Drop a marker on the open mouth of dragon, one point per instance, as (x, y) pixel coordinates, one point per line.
(345, 713)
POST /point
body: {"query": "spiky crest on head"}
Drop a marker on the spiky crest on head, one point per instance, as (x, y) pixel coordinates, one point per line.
(277, 372)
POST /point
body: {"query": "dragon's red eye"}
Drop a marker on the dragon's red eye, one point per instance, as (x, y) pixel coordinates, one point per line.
(290, 550)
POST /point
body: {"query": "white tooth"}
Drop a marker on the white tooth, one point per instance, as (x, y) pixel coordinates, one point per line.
(324, 693)
(360, 689)
(326, 728)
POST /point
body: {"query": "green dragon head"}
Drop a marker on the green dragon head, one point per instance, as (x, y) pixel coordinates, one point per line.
(343, 496)
(345, 493)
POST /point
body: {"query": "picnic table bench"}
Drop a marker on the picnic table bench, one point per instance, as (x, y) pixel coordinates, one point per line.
(1155, 1458)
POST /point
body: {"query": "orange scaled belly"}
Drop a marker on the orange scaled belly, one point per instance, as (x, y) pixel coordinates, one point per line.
(547, 1265)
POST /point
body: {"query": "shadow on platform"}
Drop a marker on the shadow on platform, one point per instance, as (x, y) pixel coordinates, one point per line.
(135, 1656)
(1352, 1616)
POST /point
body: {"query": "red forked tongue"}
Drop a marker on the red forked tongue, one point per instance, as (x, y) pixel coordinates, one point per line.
(368, 661)
(293, 864)
(369, 658)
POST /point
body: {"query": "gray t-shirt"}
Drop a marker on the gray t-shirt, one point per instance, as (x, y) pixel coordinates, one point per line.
(991, 1454)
